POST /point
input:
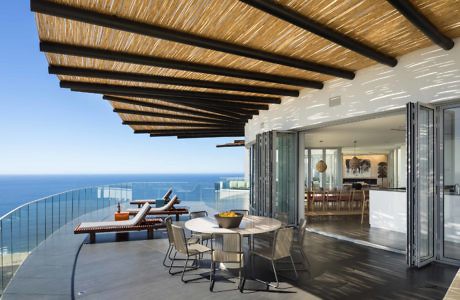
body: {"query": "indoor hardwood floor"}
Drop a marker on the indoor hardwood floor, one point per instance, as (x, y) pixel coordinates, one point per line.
(350, 227)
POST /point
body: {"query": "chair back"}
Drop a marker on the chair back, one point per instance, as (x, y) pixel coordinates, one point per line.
(141, 214)
(302, 229)
(167, 195)
(198, 214)
(168, 223)
(244, 212)
(282, 243)
(180, 243)
(230, 247)
(168, 205)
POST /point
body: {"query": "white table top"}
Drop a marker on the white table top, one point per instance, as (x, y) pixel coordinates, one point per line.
(249, 225)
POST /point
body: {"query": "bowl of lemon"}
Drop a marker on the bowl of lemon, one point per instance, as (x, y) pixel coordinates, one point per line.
(228, 219)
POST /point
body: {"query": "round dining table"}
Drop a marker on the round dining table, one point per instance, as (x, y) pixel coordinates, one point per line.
(250, 225)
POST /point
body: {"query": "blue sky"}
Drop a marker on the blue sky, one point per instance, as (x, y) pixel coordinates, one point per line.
(48, 130)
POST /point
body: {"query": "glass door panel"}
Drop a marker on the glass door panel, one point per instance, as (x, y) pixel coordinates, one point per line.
(451, 183)
(421, 184)
(286, 201)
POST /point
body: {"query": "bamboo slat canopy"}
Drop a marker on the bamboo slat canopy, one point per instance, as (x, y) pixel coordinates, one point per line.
(203, 68)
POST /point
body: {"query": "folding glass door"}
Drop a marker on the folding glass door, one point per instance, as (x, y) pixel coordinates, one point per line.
(286, 169)
(449, 119)
(421, 184)
(274, 176)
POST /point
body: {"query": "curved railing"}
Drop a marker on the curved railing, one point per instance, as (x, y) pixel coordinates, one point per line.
(25, 227)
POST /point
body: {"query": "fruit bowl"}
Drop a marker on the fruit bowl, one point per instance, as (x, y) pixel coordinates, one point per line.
(228, 219)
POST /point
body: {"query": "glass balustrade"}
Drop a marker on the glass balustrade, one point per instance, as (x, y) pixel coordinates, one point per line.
(25, 227)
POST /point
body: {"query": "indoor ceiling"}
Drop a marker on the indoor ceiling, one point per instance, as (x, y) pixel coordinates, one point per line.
(373, 136)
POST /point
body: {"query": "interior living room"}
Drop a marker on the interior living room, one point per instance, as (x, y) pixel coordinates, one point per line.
(355, 181)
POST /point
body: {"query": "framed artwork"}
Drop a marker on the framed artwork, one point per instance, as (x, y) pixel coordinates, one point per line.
(363, 171)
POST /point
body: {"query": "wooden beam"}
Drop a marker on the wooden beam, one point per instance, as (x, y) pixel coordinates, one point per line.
(195, 130)
(192, 102)
(114, 22)
(293, 17)
(107, 88)
(80, 51)
(137, 77)
(187, 133)
(182, 124)
(200, 135)
(170, 116)
(411, 13)
(170, 108)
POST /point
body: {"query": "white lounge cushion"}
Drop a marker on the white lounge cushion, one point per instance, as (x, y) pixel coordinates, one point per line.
(131, 222)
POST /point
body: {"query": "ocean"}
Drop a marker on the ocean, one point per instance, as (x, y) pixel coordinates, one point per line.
(19, 189)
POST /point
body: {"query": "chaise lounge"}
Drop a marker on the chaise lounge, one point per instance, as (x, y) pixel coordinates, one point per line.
(165, 198)
(137, 223)
(171, 210)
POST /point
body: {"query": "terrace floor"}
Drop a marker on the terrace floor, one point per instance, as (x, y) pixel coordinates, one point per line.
(129, 266)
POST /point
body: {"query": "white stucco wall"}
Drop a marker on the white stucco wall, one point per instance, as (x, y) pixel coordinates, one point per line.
(427, 75)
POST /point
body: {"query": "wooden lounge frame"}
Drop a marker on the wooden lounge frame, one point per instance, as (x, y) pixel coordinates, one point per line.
(150, 225)
(138, 223)
(177, 211)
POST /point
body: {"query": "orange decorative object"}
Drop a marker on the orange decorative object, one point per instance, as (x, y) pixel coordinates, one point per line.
(121, 216)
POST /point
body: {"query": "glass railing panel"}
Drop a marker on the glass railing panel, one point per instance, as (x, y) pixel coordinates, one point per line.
(18, 253)
(7, 245)
(41, 221)
(55, 209)
(49, 216)
(32, 227)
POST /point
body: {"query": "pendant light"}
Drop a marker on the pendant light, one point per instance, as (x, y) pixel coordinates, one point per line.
(354, 162)
(321, 166)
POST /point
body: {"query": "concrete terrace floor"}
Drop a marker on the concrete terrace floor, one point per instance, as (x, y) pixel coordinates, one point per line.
(133, 269)
(130, 267)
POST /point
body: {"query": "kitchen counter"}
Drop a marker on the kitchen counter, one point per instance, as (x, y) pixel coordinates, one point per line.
(388, 209)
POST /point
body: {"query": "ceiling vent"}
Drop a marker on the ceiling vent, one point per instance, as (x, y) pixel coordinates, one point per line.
(334, 101)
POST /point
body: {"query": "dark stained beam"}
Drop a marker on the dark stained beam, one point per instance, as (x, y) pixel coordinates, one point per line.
(182, 124)
(236, 143)
(136, 77)
(293, 17)
(216, 112)
(192, 102)
(114, 22)
(411, 13)
(66, 49)
(172, 116)
(199, 135)
(203, 133)
(195, 130)
(107, 88)
(169, 108)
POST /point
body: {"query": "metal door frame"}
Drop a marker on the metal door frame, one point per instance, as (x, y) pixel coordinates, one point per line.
(413, 221)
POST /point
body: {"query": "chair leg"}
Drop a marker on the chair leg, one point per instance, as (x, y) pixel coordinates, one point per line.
(276, 275)
(166, 255)
(183, 271)
(212, 276)
(305, 257)
(293, 266)
(172, 263)
(242, 282)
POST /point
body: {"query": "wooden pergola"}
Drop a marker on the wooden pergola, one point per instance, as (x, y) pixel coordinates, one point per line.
(203, 68)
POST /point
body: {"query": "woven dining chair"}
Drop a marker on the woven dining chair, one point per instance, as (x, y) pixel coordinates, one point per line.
(204, 237)
(227, 248)
(282, 245)
(194, 251)
(192, 240)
